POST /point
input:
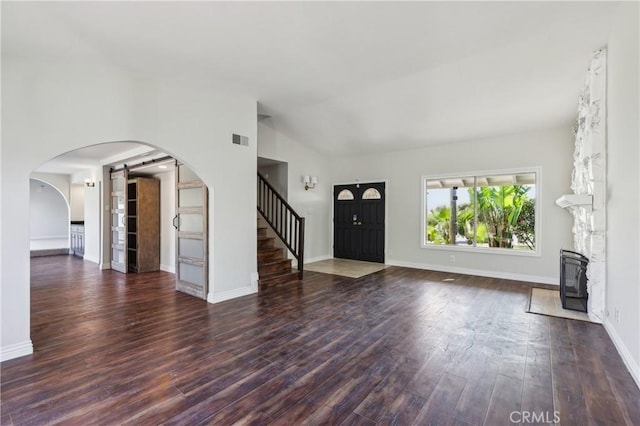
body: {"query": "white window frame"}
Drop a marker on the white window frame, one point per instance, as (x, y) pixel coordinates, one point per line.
(483, 250)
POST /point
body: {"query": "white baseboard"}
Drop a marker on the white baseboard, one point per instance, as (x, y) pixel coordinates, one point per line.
(91, 259)
(255, 279)
(104, 266)
(318, 258)
(231, 294)
(51, 237)
(16, 350)
(633, 368)
(479, 272)
(168, 268)
(49, 252)
(294, 262)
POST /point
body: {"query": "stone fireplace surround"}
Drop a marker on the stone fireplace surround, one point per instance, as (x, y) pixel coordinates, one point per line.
(589, 178)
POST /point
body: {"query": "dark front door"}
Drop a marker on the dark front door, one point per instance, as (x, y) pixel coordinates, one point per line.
(358, 221)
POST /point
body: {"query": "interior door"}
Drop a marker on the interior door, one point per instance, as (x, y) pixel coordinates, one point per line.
(119, 221)
(191, 227)
(359, 221)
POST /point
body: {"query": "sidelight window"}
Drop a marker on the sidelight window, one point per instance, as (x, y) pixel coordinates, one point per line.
(494, 211)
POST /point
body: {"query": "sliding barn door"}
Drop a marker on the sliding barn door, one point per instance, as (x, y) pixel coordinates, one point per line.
(191, 233)
(119, 221)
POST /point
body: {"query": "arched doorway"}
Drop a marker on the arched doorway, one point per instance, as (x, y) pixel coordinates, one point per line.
(54, 107)
(94, 175)
(49, 214)
(113, 222)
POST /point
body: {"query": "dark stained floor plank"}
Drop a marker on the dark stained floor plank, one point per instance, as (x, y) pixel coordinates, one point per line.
(505, 400)
(380, 400)
(474, 400)
(627, 395)
(441, 405)
(404, 410)
(397, 347)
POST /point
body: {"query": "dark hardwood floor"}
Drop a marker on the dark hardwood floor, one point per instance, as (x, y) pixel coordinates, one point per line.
(400, 346)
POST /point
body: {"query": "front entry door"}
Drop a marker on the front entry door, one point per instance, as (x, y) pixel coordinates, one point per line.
(191, 233)
(358, 221)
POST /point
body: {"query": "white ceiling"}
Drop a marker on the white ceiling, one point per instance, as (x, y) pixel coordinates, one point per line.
(105, 154)
(344, 76)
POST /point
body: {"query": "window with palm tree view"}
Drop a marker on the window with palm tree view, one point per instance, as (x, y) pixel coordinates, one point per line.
(490, 210)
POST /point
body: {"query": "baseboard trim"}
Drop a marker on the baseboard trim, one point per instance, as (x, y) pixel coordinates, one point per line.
(92, 259)
(294, 262)
(50, 252)
(318, 258)
(626, 356)
(478, 272)
(16, 350)
(53, 237)
(255, 280)
(168, 268)
(230, 294)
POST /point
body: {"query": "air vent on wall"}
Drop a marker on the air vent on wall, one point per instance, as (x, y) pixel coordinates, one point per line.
(240, 140)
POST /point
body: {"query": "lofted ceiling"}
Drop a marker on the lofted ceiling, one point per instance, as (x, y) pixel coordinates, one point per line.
(344, 77)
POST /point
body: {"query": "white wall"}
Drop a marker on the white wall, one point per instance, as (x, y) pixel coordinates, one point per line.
(49, 109)
(92, 220)
(167, 212)
(49, 217)
(278, 176)
(194, 122)
(551, 150)
(59, 181)
(42, 117)
(313, 204)
(76, 200)
(623, 225)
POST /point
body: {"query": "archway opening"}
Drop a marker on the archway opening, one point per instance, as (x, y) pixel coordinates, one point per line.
(49, 214)
(87, 171)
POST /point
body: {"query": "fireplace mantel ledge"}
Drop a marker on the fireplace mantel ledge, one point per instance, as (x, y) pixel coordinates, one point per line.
(575, 200)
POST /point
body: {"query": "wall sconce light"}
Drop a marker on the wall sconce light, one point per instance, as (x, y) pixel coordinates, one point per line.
(89, 183)
(309, 182)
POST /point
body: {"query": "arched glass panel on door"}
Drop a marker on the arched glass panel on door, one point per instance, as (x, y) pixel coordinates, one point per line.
(371, 194)
(345, 194)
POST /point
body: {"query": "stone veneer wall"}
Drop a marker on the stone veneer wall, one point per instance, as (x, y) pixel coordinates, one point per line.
(589, 177)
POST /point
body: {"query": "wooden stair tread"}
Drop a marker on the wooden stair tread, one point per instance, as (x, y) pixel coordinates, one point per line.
(278, 274)
(275, 261)
(269, 281)
(274, 267)
(279, 267)
(268, 249)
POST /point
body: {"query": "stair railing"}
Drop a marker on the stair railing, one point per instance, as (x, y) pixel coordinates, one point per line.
(287, 224)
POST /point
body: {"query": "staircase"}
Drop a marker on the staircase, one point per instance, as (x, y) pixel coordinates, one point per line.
(273, 266)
